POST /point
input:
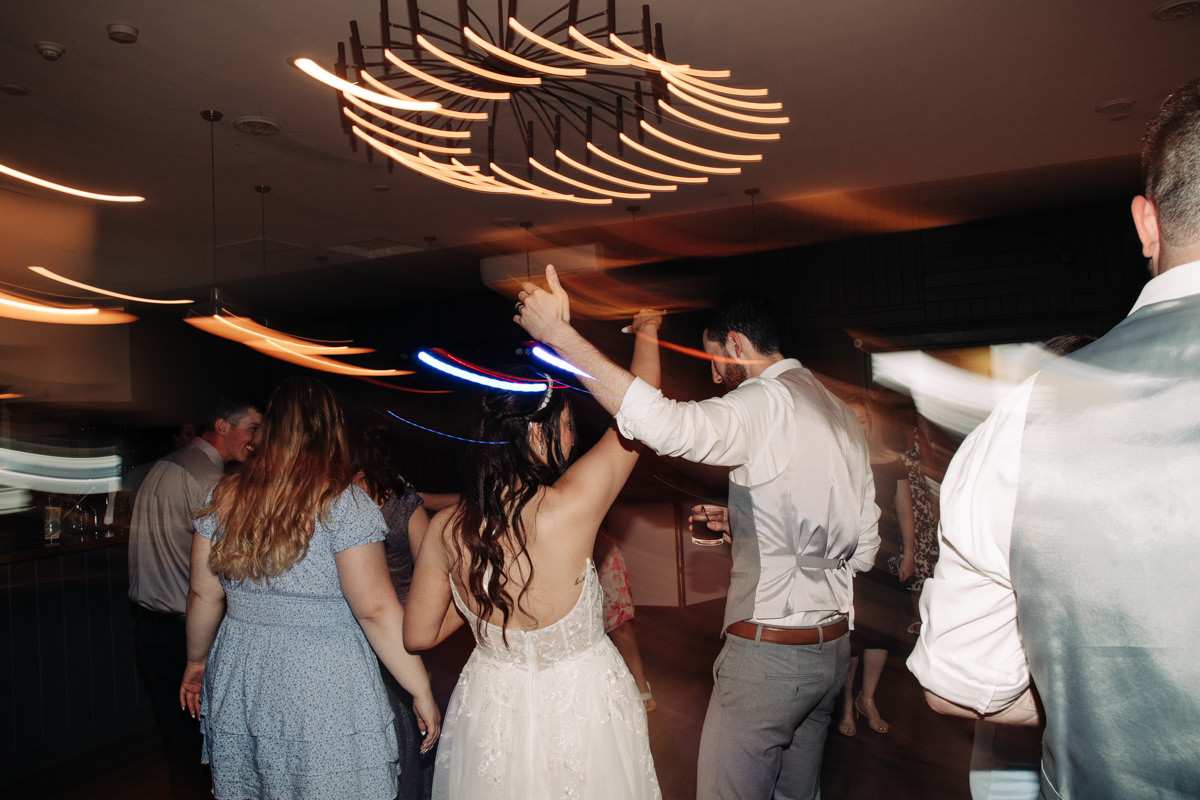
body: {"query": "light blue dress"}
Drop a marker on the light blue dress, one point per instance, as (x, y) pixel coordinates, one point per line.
(292, 704)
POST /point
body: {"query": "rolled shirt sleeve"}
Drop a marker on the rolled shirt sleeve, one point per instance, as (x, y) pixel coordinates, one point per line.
(749, 429)
(969, 651)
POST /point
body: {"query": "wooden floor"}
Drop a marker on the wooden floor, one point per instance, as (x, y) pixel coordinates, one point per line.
(923, 756)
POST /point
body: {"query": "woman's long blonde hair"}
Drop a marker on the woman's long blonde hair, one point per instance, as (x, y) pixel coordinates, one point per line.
(267, 510)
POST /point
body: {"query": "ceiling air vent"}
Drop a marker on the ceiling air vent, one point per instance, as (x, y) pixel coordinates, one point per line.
(257, 126)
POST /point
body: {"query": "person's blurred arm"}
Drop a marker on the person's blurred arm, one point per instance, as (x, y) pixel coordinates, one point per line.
(367, 586)
(205, 608)
(969, 656)
(418, 523)
(431, 615)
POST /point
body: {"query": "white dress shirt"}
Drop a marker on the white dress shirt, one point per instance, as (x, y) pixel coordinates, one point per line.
(970, 651)
(798, 453)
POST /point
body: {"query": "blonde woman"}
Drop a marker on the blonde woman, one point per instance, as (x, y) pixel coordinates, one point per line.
(288, 585)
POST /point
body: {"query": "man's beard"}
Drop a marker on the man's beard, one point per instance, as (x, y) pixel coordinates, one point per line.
(733, 375)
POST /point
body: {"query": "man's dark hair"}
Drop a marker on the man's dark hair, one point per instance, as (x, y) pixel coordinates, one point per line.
(750, 315)
(1171, 165)
(228, 407)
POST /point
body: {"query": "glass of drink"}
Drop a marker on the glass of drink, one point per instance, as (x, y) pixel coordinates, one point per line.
(702, 534)
(52, 524)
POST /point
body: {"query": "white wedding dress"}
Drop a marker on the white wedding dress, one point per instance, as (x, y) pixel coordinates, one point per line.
(554, 714)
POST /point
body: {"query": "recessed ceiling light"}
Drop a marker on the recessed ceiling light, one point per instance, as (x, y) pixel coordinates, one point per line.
(1115, 106)
(122, 33)
(1118, 117)
(1176, 9)
(257, 126)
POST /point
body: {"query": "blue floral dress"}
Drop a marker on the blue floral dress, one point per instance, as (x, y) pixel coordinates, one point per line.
(292, 705)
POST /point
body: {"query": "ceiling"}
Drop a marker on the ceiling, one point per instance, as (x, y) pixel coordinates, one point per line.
(902, 114)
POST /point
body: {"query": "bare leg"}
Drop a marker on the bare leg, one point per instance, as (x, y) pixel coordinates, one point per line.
(873, 662)
(847, 727)
(625, 639)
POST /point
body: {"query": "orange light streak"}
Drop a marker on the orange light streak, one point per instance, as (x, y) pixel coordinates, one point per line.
(524, 63)
(403, 123)
(467, 66)
(595, 173)
(445, 112)
(413, 143)
(641, 148)
(698, 103)
(708, 126)
(45, 273)
(587, 187)
(479, 94)
(392, 99)
(701, 151)
(642, 170)
(58, 187)
(554, 47)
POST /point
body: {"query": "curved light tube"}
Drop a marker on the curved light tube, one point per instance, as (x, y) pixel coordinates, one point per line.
(394, 100)
(437, 148)
(15, 307)
(478, 94)
(403, 123)
(664, 66)
(612, 55)
(554, 47)
(585, 186)
(404, 159)
(643, 171)
(641, 148)
(731, 102)
(467, 66)
(45, 273)
(388, 91)
(595, 173)
(708, 126)
(58, 187)
(683, 77)
(724, 112)
(474, 377)
(523, 63)
(538, 191)
(702, 151)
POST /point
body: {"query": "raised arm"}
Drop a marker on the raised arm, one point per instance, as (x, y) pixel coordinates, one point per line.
(363, 575)
(205, 608)
(592, 483)
(546, 315)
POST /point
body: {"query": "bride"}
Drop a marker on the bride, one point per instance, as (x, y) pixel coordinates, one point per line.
(545, 706)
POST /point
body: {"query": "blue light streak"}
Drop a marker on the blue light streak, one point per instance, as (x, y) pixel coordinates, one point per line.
(474, 377)
(553, 360)
(439, 433)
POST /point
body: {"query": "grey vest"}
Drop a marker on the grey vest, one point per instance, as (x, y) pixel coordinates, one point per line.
(792, 534)
(1104, 556)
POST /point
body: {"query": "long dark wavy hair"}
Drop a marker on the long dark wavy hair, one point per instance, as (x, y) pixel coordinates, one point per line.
(500, 481)
(268, 508)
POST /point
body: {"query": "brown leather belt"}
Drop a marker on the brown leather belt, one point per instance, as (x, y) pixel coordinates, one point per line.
(815, 635)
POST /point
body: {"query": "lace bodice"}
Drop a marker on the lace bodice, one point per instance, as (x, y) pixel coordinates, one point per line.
(575, 633)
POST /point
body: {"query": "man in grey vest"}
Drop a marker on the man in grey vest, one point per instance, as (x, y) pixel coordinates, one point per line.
(160, 546)
(803, 519)
(1066, 587)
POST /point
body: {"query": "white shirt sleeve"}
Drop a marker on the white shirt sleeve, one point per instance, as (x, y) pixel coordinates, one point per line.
(969, 651)
(749, 429)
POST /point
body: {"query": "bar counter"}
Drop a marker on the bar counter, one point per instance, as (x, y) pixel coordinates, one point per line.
(67, 677)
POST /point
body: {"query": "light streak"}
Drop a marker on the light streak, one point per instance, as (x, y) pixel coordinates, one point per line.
(45, 273)
(552, 359)
(58, 187)
(474, 377)
(311, 69)
(439, 433)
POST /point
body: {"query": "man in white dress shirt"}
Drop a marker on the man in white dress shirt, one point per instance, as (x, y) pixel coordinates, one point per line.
(160, 547)
(803, 519)
(1066, 585)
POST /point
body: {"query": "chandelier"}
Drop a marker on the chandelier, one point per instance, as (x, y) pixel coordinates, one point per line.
(569, 109)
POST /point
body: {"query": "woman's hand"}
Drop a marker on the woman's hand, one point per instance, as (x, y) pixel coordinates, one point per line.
(717, 518)
(429, 719)
(189, 690)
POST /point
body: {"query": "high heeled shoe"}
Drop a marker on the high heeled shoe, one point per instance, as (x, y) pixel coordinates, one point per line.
(867, 708)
